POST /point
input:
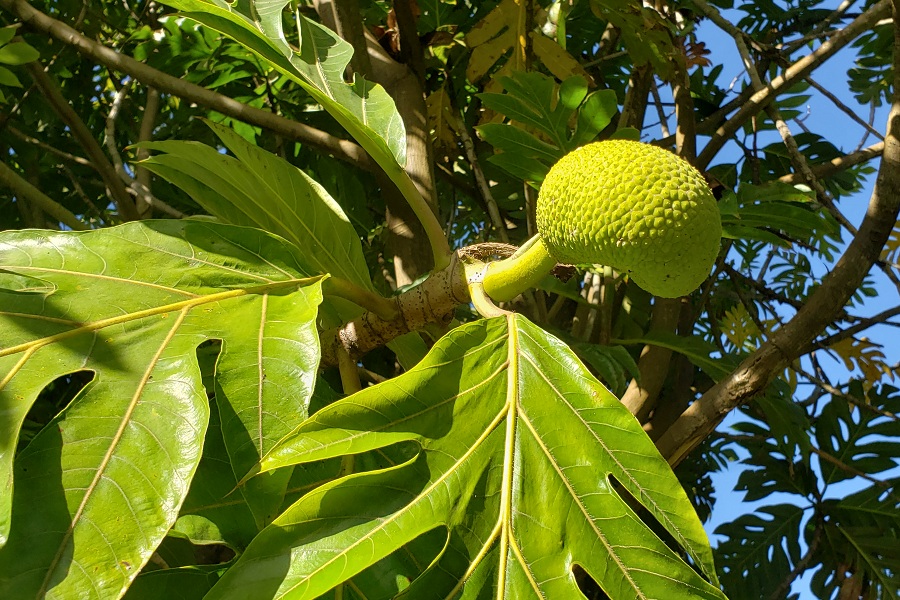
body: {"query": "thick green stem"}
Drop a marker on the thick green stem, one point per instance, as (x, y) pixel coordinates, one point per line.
(440, 248)
(506, 279)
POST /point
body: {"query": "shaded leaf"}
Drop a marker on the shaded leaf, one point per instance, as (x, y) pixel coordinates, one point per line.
(696, 349)
(760, 550)
(185, 583)
(861, 440)
(862, 531)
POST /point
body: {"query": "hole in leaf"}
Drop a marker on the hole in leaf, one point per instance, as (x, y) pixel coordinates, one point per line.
(398, 570)
(590, 588)
(52, 399)
(650, 521)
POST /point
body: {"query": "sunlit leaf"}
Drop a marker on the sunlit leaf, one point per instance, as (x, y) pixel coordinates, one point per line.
(98, 489)
(258, 189)
(318, 64)
(526, 461)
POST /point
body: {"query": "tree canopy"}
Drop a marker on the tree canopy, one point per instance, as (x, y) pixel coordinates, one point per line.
(245, 345)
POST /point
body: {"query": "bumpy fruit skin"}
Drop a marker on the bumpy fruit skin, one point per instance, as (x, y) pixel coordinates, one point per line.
(634, 207)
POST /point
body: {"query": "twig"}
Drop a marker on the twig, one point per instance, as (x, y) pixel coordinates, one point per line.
(848, 469)
(81, 194)
(657, 102)
(21, 187)
(760, 288)
(862, 325)
(834, 391)
(136, 187)
(791, 75)
(148, 120)
(492, 209)
(839, 164)
(86, 139)
(844, 108)
(48, 148)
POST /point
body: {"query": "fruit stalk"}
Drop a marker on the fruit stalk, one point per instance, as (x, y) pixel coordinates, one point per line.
(506, 279)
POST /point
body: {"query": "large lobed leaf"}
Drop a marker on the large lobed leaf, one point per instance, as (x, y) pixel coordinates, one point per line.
(258, 189)
(526, 464)
(99, 487)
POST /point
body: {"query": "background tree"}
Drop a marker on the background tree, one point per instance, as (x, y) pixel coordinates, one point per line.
(119, 112)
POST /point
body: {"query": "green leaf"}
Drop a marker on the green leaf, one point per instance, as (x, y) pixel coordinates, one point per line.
(263, 190)
(534, 101)
(18, 53)
(97, 490)
(9, 78)
(862, 530)
(7, 33)
(523, 456)
(612, 363)
(596, 113)
(858, 438)
(516, 141)
(524, 168)
(760, 551)
(259, 189)
(365, 110)
(211, 513)
(697, 350)
(185, 583)
(758, 211)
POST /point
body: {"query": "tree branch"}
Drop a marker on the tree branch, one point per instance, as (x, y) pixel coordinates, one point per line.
(21, 187)
(48, 148)
(837, 165)
(800, 69)
(823, 305)
(148, 121)
(140, 191)
(342, 149)
(433, 301)
(85, 137)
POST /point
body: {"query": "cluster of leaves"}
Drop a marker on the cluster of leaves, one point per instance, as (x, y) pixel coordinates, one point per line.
(12, 53)
(201, 343)
(845, 538)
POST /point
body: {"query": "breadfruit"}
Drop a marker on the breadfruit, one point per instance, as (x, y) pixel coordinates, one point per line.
(634, 207)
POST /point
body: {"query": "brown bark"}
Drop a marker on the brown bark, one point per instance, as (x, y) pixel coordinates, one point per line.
(431, 302)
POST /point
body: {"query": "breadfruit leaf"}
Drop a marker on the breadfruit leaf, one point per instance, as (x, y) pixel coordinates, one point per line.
(316, 58)
(101, 485)
(258, 189)
(760, 550)
(526, 464)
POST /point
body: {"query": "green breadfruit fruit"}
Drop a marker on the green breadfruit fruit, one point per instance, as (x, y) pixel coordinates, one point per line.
(634, 207)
